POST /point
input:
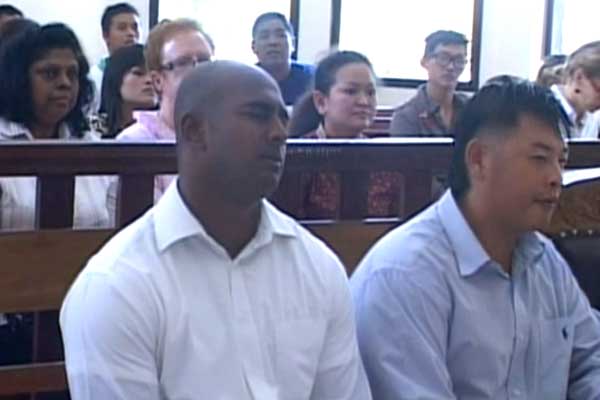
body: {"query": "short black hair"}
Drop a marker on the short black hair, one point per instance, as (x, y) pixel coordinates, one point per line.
(495, 109)
(8, 9)
(443, 38)
(269, 16)
(113, 10)
(16, 58)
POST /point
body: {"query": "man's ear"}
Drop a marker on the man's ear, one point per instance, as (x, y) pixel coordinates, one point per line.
(320, 101)
(254, 46)
(476, 155)
(193, 131)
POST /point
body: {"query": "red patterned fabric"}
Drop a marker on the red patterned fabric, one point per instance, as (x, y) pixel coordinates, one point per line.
(322, 191)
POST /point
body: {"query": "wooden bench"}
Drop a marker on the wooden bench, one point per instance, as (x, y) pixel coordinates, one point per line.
(39, 266)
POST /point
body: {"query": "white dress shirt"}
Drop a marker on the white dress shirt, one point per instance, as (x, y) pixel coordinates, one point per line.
(586, 128)
(18, 194)
(163, 312)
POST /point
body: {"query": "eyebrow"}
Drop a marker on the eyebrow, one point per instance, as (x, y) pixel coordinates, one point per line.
(548, 148)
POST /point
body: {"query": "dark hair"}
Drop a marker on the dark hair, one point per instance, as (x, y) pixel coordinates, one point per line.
(551, 71)
(269, 16)
(111, 11)
(17, 57)
(443, 38)
(117, 66)
(495, 109)
(8, 9)
(305, 116)
(15, 26)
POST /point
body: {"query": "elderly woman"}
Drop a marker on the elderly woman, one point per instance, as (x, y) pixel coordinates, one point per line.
(579, 95)
(45, 94)
(342, 105)
(126, 87)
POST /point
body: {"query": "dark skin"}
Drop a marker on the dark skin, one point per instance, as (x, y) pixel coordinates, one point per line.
(230, 123)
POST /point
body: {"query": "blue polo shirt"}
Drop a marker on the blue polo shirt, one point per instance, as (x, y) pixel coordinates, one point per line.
(297, 82)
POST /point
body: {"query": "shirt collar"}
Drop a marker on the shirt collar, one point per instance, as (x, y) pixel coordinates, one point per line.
(171, 208)
(320, 133)
(568, 109)
(431, 107)
(10, 130)
(470, 254)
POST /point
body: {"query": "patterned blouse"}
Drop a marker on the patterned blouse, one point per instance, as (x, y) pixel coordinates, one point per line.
(322, 191)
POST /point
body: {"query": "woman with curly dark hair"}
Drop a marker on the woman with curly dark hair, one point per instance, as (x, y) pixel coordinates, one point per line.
(45, 94)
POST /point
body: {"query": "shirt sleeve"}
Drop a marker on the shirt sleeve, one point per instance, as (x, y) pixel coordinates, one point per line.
(402, 321)
(340, 373)
(109, 340)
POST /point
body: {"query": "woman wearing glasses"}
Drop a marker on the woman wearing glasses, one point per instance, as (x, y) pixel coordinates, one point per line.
(579, 95)
(433, 110)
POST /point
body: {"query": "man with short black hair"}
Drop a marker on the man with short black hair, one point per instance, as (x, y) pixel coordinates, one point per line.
(214, 293)
(273, 43)
(8, 12)
(467, 301)
(120, 27)
(435, 107)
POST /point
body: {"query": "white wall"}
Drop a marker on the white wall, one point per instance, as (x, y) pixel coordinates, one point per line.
(511, 36)
(83, 16)
(511, 40)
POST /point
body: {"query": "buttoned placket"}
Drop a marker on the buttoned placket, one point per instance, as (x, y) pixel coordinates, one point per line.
(516, 385)
(247, 336)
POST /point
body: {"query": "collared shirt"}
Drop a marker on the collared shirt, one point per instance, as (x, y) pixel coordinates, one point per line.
(421, 116)
(296, 83)
(438, 319)
(18, 194)
(163, 312)
(587, 127)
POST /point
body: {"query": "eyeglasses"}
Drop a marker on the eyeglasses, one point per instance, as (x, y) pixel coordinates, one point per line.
(183, 63)
(444, 59)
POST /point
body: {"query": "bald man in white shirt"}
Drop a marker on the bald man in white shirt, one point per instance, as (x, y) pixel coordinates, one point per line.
(214, 293)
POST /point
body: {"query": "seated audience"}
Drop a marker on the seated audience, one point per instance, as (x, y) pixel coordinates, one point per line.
(579, 94)
(273, 43)
(435, 107)
(126, 87)
(551, 71)
(342, 105)
(44, 94)
(172, 50)
(120, 24)
(467, 300)
(9, 12)
(214, 293)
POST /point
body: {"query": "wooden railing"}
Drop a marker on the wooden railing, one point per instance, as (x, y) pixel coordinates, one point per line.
(38, 267)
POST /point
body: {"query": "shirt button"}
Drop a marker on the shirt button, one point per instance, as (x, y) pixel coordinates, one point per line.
(516, 393)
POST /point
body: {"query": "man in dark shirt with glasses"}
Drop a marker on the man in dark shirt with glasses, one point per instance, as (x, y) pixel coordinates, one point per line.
(432, 111)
